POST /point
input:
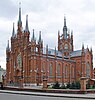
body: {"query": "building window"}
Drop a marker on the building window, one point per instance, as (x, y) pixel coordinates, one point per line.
(50, 69)
(58, 70)
(87, 70)
(72, 72)
(19, 60)
(66, 47)
(66, 71)
(44, 69)
(49, 52)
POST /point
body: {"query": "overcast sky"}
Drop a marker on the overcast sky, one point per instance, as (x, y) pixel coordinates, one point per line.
(48, 16)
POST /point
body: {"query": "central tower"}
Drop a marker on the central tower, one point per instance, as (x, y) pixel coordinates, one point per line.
(65, 41)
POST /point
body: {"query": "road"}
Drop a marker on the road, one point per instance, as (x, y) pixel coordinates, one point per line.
(6, 96)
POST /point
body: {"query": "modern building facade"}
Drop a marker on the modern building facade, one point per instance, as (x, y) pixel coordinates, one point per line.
(31, 61)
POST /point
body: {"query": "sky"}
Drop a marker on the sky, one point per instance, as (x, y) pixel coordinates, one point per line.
(47, 16)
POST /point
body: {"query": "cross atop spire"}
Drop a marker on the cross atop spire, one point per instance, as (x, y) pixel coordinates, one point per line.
(26, 27)
(19, 20)
(13, 33)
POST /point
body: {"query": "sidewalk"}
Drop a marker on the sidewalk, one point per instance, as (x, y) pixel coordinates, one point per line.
(82, 96)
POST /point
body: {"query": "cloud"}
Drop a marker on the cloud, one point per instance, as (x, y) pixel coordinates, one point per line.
(7, 9)
(48, 16)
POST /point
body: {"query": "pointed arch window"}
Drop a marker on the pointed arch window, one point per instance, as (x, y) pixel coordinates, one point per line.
(66, 47)
(87, 70)
(72, 72)
(66, 72)
(50, 69)
(58, 70)
(44, 67)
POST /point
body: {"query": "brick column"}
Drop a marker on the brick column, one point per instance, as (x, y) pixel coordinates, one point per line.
(21, 82)
(83, 84)
(45, 83)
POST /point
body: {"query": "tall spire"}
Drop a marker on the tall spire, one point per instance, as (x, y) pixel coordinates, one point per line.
(47, 49)
(55, 49)
(13, 33)
(71, 32)
(33, 36)
(26, 27)
(40, 36)
(65, 28)
(19, 20)
(8, 49)
(82, 46)
(65, 21)
(91, 49)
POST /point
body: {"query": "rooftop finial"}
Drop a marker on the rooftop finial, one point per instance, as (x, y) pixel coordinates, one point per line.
(65, 29)
(91, 49)
(64, 20)
(39, 36)
(13, 33)
(33, 36)
(26, 27)
(82, 46)
(71, 32)
(47, 47)
(19, 20)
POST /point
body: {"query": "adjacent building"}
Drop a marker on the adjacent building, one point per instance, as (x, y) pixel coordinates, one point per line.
(29, 60)
(2, 72)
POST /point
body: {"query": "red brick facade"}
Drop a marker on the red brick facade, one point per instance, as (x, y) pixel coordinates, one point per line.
(29, 61)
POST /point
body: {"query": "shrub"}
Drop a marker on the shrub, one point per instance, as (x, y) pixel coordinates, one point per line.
(68, 85)
(94, 85)
(78, 86)
(88, 85)
(56, 85)
(73, 85)
(63, 87)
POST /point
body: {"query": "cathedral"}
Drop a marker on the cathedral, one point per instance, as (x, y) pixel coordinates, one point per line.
(28, 60)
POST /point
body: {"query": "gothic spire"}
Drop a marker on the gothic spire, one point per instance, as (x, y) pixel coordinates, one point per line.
(8, 49)
(13, 33)
(71, 32)
(40, 36)
(33, 36)
(47, 49)
(91, 49)
(82, 47)
(26, 27)
(55, 49)
(65, 28)
(64, 21)
(19, 20)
